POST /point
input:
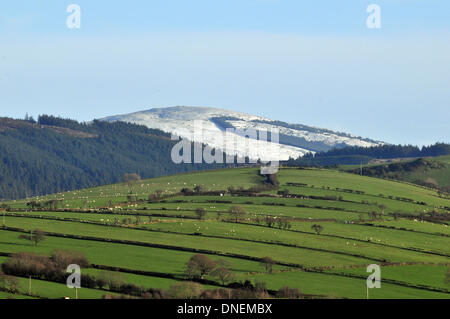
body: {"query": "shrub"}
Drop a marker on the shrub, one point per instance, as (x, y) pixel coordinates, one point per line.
(185, 290)
(267, 263)
(199, 265)
(289, 293)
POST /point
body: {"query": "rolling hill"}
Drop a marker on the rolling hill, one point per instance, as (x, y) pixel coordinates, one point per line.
(56, 155)
(320, 228)
(431, 172)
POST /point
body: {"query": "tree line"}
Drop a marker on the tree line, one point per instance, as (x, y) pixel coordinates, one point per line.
(53, 268)
(55, 155)
(355, 155)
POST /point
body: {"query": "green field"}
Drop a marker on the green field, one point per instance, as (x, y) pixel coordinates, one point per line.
(149, 243)
(431, 169)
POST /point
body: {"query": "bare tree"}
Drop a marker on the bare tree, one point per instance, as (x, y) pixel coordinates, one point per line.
(261, 289)
(114, 280)
(9, 283)
(373, 215)
(201, 213)
(267, 263)
(223, 274)
(131, 180)
(185, 290)
(289, 293)
(199, 266)
(63, 258)
(199, 188)
(158, 193)
(317, 228)
(237, 212)
(37, 236)
(154, 197)
(396, 216)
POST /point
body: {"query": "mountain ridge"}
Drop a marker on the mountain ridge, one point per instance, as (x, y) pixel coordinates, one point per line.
(295, 140)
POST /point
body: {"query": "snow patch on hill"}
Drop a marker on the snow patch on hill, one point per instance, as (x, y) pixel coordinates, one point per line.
(179, 120)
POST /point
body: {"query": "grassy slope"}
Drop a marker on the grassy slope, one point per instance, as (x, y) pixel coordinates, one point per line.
(335, 286)
(374, 186)
(385, 243)
(51, 290)
(440, 175)
(258, 250)
(430, 275)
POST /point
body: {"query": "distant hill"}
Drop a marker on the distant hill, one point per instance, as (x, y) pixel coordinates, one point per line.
(295, 139)
(55, 155)
(430, 172)
(366, 155)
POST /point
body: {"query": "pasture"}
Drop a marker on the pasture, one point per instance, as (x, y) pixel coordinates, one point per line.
(321, 228)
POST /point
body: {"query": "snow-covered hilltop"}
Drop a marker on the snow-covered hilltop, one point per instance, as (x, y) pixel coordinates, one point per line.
(295, 139)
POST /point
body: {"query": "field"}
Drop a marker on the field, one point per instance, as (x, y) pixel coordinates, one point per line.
(320, 227)
(434, 171)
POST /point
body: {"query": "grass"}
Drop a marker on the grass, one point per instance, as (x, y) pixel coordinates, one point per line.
(370, 185)
(371, 249)
(341, 287)
(7, 295)
(428, 275)
(344, 246)
(119, 255)
(52, 290)
(426, 242)
(419, 226)
(100, 196)
(139, 280)
(437, 169)
(258, 250)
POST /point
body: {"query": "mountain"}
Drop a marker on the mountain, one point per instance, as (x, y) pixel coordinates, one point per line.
(57, 155)
(295, 139)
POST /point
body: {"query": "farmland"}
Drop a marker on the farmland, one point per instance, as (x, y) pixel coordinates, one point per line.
(321, 228)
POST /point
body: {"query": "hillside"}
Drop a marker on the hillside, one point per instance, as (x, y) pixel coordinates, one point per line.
(320, 228)
(295, 139)
(430, 172)
(385, 153)
(56, 155)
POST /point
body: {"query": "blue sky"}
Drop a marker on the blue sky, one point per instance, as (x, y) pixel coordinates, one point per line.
(309, 62)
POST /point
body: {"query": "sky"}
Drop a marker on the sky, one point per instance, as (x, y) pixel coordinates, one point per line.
(310, 62)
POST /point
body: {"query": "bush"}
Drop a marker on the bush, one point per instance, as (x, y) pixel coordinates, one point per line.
(289, 293)
(185, 290)
(64, 258)
(267, 263)
(199, 265)
(43, 267)
(201, 213)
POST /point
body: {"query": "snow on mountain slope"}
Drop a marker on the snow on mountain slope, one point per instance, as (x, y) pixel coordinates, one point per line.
(326, 138)
(179, 120)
